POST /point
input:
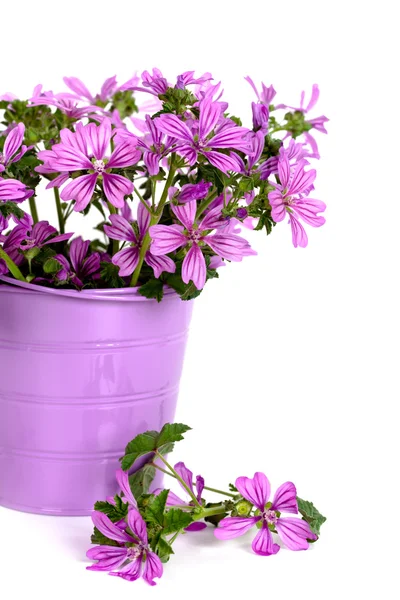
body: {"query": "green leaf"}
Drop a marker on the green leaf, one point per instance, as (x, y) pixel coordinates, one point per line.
(141, 480)
(311, 515)
(98, 538)
(155, 509)
(142, 444)
(10, 208)
(154, 288)
(110, 274)
(114, 512)
(163, 549)
(175, 520)
(172, 433)
(232, 488)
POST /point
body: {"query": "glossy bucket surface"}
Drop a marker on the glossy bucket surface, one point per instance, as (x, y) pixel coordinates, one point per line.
(81, 373)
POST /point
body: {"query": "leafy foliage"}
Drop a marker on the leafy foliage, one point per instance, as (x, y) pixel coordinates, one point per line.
(311, 515)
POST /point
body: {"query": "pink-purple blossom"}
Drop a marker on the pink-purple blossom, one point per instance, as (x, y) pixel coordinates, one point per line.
(195, 236)
(132, 557)
(295, 533)
(13, 149)
(14, 191)
(86, 150)
(127, 259)
(211, 134)
(290, 198)
(81, 266)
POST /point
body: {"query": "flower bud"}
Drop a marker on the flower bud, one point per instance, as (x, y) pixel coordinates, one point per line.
(243, 508)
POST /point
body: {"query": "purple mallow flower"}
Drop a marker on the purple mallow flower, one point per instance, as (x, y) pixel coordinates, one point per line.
(77, 86)
(66, 103)
(40, 234)
(195, 236)
(189, 192)
(155, 146)
(213, 133)
(294, 532)
(13, 190)
(85, 149)
(174, 500)
(11, 243)
(13, 149)
(128, 258)
(260, 109)
(288, 199)
(132, 557)
(83, 266)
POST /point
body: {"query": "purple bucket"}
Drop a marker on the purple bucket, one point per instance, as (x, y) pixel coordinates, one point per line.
(81, 373)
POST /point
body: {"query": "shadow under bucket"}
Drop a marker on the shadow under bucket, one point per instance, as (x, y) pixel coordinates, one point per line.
(81, 373)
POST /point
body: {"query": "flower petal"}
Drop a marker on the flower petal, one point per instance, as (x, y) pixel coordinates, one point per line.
(176, 128)
(229, 246)
(77, 86)
(13, 142)
(299, 235)
(77, 252)
(109, 529)
(285, 498)
(131, 571)
(263, 543)
(124, 155)
(294, 533)
(186, 213)
(99, 137)
(137, 525)
(210, 112)
(81, 190)
(199, 486)
(109, 557)
(221, 161)
(152, 568)
(166, 238)
(194, 267)
(116, 188)
(143, 219)
(232, 527)
(159, 264)
(123, 482)
(185, 474)
(256, 490)
(127, 260)
(301, 179)
(120, 229)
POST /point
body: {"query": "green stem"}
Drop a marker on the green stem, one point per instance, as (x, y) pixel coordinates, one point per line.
(205, 204)
(208, 512)
(153, 221)
(34, 212)
(171, 540)
(12, 267)
(209, 489)
(179, 478)
(142, 200)
(61, 222)
(115, 243)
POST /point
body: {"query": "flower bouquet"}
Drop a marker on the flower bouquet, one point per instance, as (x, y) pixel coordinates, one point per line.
(173, 180)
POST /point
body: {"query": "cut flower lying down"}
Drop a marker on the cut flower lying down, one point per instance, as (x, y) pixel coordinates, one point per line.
(172, 179)
(135, 531)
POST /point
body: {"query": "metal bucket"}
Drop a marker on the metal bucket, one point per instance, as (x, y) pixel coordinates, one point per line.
(81, 373)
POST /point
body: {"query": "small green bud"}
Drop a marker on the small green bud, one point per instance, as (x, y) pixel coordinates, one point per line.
(243, 508)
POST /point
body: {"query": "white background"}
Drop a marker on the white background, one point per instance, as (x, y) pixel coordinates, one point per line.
(292, 365)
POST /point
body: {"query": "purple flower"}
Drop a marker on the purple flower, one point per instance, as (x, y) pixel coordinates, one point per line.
(204, 140)
(266, 168)
(128, 258)
(266, 95)
(66, 103)
(82, 265)
(40, 234)
(155, 146)
(187, 78)
(123, 482)
(14, 190)
(11, 243)
(261, 108)
(86, 150)
(174, 500)
(11, 147)
(133, 556)
(167, 238)
(288, 199)
(77, 86)
(294, 532)
(189, 192)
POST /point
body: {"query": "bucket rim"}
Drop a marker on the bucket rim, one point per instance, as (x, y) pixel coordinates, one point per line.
(128, 294)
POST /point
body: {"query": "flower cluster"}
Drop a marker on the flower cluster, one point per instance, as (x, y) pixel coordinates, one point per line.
(173, 175)
(135, 530)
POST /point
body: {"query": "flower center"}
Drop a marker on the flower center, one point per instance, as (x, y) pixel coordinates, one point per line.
(134, 552)
(195, 235)
(99, 166)
(269, 516)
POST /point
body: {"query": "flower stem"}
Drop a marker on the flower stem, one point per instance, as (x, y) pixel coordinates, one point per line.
(153, 221)
(34, 212)
(61, 222)
(14, 270)
(209, 489)
(142, 200)
(205, 204)
(115, 243)
(179, 478)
